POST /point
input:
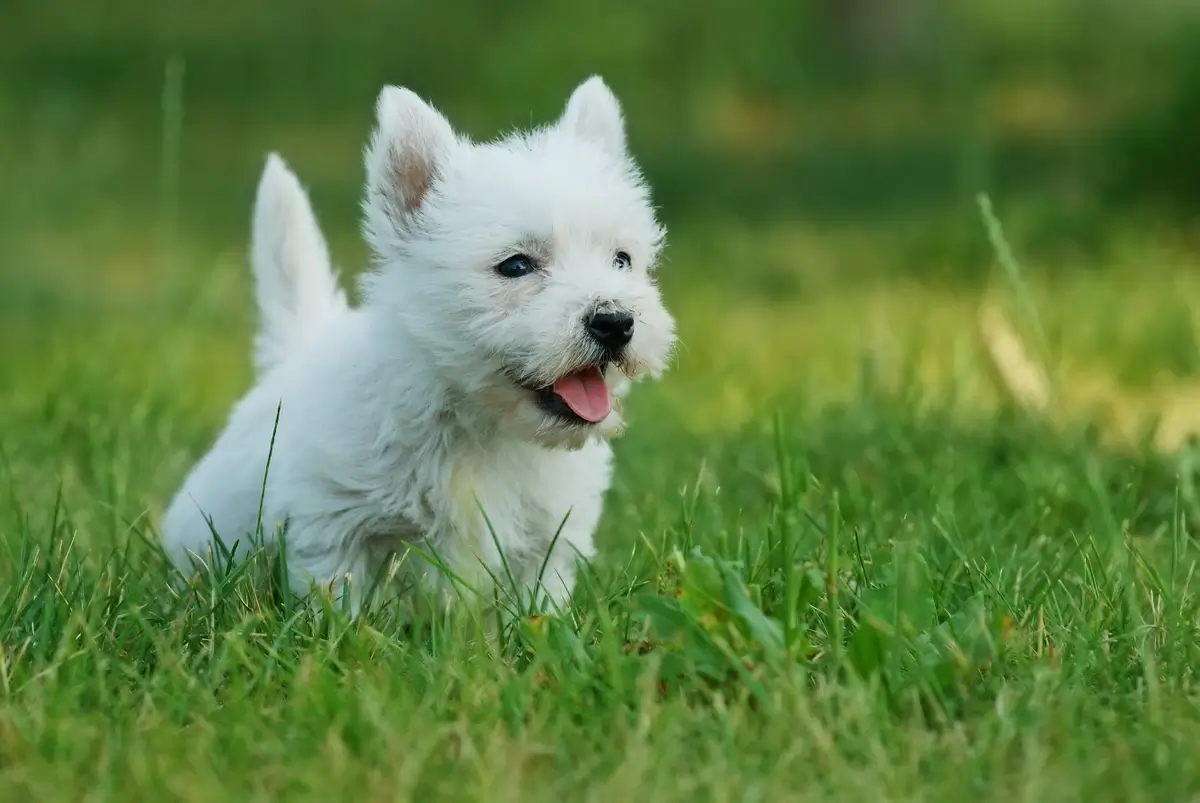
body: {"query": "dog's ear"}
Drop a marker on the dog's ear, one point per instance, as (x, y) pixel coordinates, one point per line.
(594, 113)
(403, 161)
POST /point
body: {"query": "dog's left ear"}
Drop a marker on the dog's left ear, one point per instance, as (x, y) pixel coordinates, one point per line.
(594, 114)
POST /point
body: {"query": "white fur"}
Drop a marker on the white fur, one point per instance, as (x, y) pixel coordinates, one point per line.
(400, 422)
(294, 282)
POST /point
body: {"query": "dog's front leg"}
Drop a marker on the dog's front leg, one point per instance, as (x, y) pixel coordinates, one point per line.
(553, 578)
(325, 560)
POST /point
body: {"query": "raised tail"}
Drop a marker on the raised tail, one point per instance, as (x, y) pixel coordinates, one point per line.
(294, 281)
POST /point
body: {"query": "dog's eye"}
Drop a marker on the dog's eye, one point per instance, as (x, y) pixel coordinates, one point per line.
(516, 266)
(622, 261)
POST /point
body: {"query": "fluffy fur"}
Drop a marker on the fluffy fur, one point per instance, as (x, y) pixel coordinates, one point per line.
(413, 419)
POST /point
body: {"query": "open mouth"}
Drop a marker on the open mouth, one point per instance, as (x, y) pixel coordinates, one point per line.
(580, 397)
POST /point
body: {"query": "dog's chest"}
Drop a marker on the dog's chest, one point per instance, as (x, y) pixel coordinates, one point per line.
(504, 496)
(497, 505)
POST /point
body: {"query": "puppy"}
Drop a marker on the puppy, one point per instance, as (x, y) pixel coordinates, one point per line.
(458, 419)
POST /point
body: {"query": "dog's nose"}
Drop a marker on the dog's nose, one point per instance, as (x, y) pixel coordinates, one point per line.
(612, 329)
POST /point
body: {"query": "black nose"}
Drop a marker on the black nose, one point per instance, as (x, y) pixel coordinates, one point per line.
(611, 328)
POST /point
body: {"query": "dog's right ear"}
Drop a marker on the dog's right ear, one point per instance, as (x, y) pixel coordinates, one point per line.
(403, 160)
(594, 113)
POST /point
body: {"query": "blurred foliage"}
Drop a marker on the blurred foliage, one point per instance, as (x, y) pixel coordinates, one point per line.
(822, 111)
(1155, 155)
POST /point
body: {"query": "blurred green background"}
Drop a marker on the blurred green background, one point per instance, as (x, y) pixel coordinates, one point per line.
(817, 162)
(821, 112)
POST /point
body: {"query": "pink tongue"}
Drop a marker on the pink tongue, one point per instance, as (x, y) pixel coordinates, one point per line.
(585, 393)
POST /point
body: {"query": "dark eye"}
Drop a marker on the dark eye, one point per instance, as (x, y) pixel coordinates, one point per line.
(516, 266)
(622, 261)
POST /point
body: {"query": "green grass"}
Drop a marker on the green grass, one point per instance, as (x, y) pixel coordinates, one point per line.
(829, 571)
(835, 564)
(865, 601)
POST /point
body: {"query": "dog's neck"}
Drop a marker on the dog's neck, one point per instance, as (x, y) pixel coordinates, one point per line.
(426, 400)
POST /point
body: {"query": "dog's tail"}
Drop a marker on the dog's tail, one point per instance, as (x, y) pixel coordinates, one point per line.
(294, 281)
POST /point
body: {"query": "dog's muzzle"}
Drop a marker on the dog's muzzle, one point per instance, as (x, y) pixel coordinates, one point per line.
(611, 328)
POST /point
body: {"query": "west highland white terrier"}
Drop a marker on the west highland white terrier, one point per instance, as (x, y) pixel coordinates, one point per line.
(462, 411)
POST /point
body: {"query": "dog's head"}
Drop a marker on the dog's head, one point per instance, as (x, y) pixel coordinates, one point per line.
(524, 266)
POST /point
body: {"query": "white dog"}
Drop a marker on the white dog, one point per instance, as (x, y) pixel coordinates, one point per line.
(464, 408)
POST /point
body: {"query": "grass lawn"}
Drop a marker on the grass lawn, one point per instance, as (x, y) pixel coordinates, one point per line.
(836, 563)
(820, 580)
